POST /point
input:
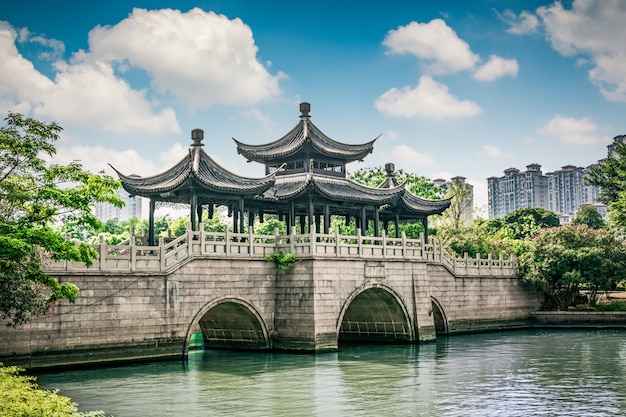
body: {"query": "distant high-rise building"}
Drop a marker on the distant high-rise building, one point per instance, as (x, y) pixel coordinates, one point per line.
(516, 190)
(132, 208)
(561, 192)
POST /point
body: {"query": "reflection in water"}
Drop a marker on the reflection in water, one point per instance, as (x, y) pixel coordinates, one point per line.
(524, 373)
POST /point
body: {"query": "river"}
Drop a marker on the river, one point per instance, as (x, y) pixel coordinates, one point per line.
(517, 373)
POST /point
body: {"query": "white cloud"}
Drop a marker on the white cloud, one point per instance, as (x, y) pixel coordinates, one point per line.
(97, 158)
(411, 160)
(524, 24)
(201, 58)
(593, 28)
(493, 151)
(85, 92)
(572, 131)
(429, 99)
(434, 41)
(256, 114)
(197, 57)
(496, 68)
(56, 47)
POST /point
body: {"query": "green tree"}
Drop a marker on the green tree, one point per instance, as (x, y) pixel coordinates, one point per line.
(33, 197)
(610, 176)
(420, 186)
(589, 215)
(460, 212)
(527, 222)
(563, 260)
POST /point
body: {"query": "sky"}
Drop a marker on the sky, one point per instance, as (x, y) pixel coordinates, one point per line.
(453, 88)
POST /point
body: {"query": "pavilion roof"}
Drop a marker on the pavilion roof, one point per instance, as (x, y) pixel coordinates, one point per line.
(411, 205)
(197, 169)
(304, 134)
(334, 188)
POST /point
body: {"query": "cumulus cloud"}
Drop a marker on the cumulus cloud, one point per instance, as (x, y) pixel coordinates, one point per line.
(429, 99)
(201, 58)
(594, 29)
(85, 92)
(197, 58)
(493, 151)
(572, 131)
(97, 158)
(410, 159)
(435, 42)
(496, 68)
(523, 24)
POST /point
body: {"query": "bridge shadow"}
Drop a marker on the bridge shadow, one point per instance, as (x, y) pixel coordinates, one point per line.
(375, 315)
(231, 324)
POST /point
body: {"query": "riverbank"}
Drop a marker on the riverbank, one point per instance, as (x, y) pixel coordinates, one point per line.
(579, 319)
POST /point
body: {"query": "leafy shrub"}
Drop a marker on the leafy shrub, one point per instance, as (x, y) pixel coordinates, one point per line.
(283, 261)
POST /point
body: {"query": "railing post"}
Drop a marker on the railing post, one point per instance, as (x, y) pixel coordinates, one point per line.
(359, 241)
(202, 237)
(384, 239)
(226, 241)
(162, 253)
(337, 247)
(312, 247)
(103, 253)
(250, 242)
(404, 246)
(133, 255)
(292, 241)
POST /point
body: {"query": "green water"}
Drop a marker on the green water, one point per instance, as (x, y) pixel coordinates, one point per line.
(522, 373)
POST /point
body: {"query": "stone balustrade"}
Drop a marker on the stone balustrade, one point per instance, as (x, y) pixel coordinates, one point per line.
(133, 255)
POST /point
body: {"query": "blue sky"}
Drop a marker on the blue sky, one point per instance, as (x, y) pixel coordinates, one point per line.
(453, 87)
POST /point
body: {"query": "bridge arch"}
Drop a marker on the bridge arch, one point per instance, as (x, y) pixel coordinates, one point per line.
(229, 323)
(374, 313)
(439, 316)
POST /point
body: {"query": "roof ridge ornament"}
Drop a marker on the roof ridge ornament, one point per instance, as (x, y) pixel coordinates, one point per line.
(197, 135)
(305, 108)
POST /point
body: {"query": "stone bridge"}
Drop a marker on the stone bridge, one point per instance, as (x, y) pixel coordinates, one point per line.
(140, 302)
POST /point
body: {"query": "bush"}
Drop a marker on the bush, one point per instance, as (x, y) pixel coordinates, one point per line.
(21, 397)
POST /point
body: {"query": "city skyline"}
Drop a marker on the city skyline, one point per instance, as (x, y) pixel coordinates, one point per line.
(452, 88)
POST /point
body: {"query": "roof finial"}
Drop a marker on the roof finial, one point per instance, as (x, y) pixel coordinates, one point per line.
(389, 169)
(305, 108)
(197, 135)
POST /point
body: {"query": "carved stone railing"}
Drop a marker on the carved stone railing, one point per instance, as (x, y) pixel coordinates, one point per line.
(170, 254)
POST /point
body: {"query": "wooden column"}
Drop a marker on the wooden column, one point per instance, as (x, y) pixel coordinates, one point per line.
(326, 218)
(396, 223)
(363, 221)
(151, 223)
(311, 215)
(241, 218)
(376, 221)
(425, 224)
(193, 202)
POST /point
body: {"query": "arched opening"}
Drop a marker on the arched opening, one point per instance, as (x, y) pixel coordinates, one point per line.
(375, 315)
(441, 323)
(232, 324)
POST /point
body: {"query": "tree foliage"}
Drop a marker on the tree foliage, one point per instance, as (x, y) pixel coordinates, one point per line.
(562, 260)
(21, 397)
(610, 176)
(589, 215)
(33, 197)
(418, 185)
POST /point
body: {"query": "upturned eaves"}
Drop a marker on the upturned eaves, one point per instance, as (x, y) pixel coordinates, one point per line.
(303, 134)
(205, 173)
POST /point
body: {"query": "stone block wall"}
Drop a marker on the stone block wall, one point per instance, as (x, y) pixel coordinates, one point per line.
(133, 316)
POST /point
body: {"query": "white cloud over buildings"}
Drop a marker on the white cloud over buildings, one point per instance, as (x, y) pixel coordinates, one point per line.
(572, 131)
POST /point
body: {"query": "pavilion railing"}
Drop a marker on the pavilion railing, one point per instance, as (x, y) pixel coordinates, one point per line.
(134, 255)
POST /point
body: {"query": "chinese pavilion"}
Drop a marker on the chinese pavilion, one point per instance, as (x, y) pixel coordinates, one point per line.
(305, 185)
